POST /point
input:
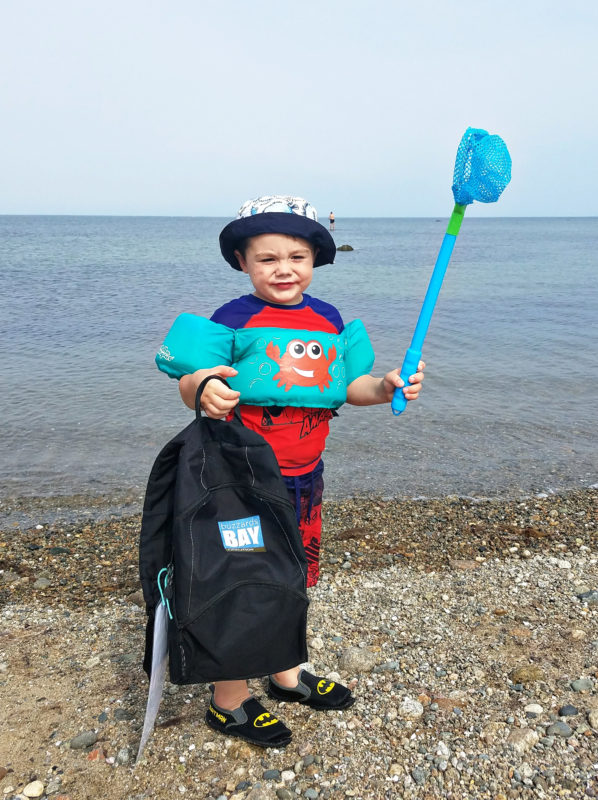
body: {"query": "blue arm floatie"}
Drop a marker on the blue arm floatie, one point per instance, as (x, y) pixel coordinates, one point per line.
(195, 343)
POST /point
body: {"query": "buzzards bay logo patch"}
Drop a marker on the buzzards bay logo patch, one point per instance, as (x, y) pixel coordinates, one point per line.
(242, 534)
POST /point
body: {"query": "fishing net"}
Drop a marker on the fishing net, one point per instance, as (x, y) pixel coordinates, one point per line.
(482, 168)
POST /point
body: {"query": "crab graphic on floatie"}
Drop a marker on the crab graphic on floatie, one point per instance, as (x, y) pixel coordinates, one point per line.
(302, 364)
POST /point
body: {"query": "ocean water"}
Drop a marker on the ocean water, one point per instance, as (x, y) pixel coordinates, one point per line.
(509, 404)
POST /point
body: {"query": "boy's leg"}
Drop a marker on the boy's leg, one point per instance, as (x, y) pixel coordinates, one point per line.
(310, 524)
(230, 694)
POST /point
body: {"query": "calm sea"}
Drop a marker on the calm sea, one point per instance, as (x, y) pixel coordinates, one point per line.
(511, 393)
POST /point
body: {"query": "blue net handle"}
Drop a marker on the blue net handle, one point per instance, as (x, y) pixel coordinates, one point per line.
(482, 167)
(482, 172)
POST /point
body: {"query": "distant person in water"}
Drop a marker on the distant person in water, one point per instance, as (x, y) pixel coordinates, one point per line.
(331, 220)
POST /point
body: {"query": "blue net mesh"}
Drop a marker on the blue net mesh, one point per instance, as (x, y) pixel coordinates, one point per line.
(482, 168)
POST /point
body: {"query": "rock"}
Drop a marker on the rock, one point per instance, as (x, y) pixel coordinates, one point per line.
(522, 739)
(271, 775)
(568, 711)
(358, 659)
(97, 754)
(42, 583)
(534, 708)
(83, 740)
(527, 674)
(317, 643)
(53, 785)
(419, 775)
(593, 719)
(3, 773)
(92, 662)
(258, 793)
(582, 685)
(123, 756)
(287, 776)
(136, 599)
(345, 248)
(34, 789)
(122, 715)
(560, 728)
(284, 794)
(591, 597)
(577, 634)
(410, 708)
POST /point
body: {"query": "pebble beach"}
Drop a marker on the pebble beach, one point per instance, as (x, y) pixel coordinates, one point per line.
(468, 630)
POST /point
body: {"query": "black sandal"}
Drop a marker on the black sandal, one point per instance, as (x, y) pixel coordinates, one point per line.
(318, 693)
(251, 722)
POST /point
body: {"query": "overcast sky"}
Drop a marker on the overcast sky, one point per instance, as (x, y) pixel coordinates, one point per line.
(190, 107)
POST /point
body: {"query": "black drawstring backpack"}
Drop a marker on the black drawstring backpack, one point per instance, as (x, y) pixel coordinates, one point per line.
(220, 548)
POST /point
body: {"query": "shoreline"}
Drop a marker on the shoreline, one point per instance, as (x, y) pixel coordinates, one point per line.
(25, 511)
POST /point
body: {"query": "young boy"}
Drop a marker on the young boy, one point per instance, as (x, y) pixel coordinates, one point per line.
(293, 364)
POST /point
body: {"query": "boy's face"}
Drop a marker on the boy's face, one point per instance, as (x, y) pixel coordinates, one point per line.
(280, 267)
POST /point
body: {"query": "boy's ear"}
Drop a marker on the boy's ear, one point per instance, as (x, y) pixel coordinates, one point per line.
(241, 260)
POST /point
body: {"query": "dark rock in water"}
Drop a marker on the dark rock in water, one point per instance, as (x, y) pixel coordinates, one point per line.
(345, 247)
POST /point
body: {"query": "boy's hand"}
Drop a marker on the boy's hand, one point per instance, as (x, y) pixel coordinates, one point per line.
(411, 391)
(368, 390)
(217, 400)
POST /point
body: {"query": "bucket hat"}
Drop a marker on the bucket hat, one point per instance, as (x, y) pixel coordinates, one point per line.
(292, 216)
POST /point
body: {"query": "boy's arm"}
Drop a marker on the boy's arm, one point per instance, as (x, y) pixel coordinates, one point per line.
(217, 400)
(368, 391)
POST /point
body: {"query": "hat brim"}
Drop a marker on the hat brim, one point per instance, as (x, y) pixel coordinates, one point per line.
(277, 222)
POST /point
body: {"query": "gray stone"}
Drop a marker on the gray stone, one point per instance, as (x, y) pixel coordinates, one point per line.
(358, 659)
(582, 685)
(122, 715)
(284, 794)
(83, 740)
(271, 775)
(9, 577)
(419, 775)
(123, 756)
(560, 728)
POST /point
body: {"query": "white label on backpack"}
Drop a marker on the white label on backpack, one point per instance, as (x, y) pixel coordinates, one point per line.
(242, 534)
